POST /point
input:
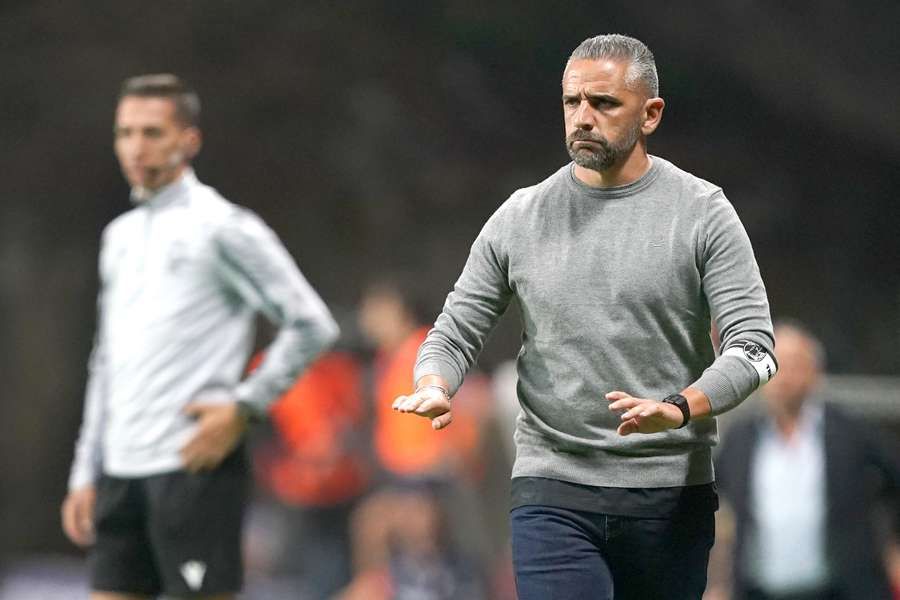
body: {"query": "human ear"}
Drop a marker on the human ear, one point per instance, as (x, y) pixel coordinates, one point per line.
(653, 111)
(191, 141)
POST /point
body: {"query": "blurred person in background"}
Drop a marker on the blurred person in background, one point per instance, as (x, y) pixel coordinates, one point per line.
(409, 526)
(802, 482)
(159, 480)
(408, 456)
(618, 261)
(316, 467)
(393, 322)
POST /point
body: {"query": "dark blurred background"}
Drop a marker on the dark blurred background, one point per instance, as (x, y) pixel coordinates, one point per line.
(379, 136)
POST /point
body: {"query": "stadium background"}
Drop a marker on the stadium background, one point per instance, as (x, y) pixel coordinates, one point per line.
(379, 136)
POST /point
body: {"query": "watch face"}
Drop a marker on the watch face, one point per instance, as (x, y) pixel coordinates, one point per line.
(754, 352)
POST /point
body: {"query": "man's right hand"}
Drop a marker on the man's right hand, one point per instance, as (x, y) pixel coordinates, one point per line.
(78, 515)
(428, 402)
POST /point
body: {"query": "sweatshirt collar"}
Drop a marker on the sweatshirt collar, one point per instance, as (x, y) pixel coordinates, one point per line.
(619, 191)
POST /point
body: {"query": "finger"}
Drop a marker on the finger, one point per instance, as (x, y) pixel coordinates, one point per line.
(69, 521)
(86, 521)
(78, 520)
(190, 456)
(617, 395)
(628, 427)
(432, 404)
(78, 528)
(194, 465)
(442, 421)
(189, 465)
(203, 463)
(624, 404)
(640, 411)
(630, 414)
(649, 411)
(193, 409)
(411, 403)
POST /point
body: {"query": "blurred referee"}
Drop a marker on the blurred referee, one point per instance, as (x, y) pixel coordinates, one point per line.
(159, 481)
(619, 262)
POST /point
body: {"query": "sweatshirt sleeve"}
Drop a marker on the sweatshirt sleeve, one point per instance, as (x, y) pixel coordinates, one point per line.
(472, 309)
(737, 302)
(256, 265)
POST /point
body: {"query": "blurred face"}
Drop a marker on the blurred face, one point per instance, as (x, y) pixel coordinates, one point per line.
(798, 372)
(383, 319)
(419, 530)
(152, 145)
(604, 118)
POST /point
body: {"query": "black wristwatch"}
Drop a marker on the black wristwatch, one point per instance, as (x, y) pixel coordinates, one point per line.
(682, 404)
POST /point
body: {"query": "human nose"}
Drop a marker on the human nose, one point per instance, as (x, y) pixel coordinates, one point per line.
(133, 147)
(584, 118)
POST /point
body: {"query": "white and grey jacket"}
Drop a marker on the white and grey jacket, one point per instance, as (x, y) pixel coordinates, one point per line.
(182, 276)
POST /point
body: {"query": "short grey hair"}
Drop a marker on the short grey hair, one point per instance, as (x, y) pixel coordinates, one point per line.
(614, 46)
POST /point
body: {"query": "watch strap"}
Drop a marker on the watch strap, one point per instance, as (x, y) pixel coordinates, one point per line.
(682, 404)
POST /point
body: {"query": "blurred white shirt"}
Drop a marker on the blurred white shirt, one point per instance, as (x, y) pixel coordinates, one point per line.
(786, 552)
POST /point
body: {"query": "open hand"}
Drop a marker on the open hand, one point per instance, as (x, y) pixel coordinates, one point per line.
(429, 403)
(643, 415)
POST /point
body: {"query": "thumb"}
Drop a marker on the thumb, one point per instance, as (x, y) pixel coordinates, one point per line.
(442, 421)
(86, 516)
(628, 427)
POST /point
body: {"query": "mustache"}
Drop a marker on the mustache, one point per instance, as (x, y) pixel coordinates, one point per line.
(580, 135)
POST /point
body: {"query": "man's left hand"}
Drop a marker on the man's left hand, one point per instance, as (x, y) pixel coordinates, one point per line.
(643, 415)
(219, 429)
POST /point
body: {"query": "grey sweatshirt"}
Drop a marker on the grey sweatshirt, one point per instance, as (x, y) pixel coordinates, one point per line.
(616, 288)
(182, 277)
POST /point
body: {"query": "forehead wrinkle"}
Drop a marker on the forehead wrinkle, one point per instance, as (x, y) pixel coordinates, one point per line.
(592, 89)
(610, 81)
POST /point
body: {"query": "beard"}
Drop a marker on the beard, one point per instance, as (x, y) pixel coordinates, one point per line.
(604, 154)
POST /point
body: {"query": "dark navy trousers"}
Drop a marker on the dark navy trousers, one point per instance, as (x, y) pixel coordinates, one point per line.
(561, 554)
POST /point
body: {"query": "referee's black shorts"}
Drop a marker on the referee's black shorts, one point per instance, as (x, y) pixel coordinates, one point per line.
(177, 534)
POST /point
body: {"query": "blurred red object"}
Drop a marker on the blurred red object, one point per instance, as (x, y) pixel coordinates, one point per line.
(318, 456)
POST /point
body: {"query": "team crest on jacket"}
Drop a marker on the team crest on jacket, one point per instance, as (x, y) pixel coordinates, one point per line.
(193, 572)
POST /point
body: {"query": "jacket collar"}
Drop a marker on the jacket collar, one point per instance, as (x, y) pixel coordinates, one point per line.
(166, 194)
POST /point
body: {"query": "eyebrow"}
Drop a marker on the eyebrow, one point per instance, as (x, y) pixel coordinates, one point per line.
(129, 128)
(593, 97)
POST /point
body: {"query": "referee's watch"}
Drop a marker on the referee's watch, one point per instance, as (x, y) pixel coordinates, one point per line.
(682, 404)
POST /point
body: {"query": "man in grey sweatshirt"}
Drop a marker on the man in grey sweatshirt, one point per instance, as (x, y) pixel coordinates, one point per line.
(619, 261)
